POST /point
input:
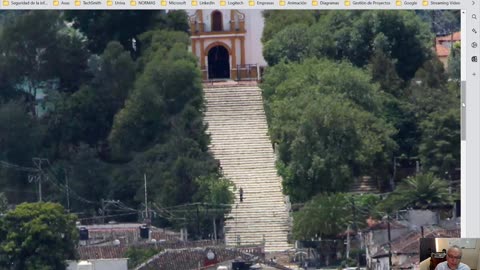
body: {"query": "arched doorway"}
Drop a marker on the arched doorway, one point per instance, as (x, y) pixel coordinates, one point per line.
(218, 63)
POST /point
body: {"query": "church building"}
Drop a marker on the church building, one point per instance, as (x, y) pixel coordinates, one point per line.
(227, 43)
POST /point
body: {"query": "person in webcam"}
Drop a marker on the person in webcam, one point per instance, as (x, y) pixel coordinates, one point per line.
(454, 255)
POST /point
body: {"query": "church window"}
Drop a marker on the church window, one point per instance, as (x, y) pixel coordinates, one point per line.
(217, 24)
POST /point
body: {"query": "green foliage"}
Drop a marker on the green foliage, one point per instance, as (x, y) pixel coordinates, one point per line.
(137, 256)
(290, 44)
(214, 190)
(440, 145)
(328, 129)
(88, 171)
(429, 94)
(353, 35)
(395, 46)
(161, 131)
(157, 41)
(382, 68)
(327, 215)
(20, 135)
(442, 22)
(454, 62)
(41, 52)
(20, 141)
(276, 20)
(423, 191)
(3, 203)
(37, 236)
(159, 94)
(324, 215)
(100, 99)
(109, 123)
(102, 27)
(429, 91)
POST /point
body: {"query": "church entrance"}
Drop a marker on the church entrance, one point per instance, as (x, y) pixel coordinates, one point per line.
(218, 63)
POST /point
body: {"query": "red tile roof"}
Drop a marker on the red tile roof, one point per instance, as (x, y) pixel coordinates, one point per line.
(118, 251)
(101, 252)
(444, 51)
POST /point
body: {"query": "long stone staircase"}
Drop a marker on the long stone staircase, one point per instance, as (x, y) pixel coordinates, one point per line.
(238, 127)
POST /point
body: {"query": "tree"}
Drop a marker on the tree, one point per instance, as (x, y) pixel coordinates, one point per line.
(214, 190)
(354, 36)
(102, 27)
(327, 215)
(87, 115)
(328, 130)
(42, 54)
(88, 170)
(158, 95)
(442, 22)
(37, 236)
(454, 62)
(138, 255)
(20, 141)
(440, 145)
(382, 68)
(430, 92)
(423, 191)
(276, 20)
(290, 44)
(160, 131)
(3, 203)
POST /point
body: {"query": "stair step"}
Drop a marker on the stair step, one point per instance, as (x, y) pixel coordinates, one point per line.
(239, 140)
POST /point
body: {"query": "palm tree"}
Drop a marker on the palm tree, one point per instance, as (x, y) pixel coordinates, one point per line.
(423, 191)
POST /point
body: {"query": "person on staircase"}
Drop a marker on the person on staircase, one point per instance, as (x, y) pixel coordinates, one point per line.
(241, 194)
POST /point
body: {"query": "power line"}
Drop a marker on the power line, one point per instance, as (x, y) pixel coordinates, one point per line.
(109, 216)
(18, 167)
(64, 188)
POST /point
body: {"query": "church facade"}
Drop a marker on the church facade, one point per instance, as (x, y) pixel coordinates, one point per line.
(227, 43)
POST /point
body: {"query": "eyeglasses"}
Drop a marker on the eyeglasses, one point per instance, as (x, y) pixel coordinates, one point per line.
(454, 257)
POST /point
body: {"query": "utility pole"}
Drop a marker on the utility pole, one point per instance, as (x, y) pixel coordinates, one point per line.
(348, 242)
(67, 189)
(103, 210)
(198, 222)
(214, 230)
(38, 164)
(146, 205)
(354, 227)
(389, 243)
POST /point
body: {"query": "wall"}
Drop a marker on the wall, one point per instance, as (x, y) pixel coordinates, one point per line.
(381, 236)
(470, 256)
(254, 23)
(422, 217)
(102, 264)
